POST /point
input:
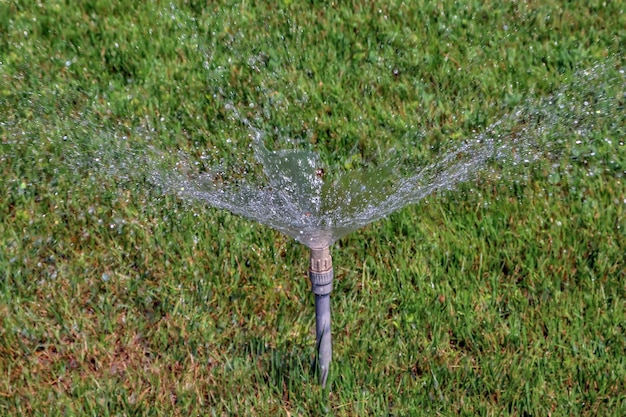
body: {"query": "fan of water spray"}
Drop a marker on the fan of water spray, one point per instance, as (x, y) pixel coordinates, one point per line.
(297, 199)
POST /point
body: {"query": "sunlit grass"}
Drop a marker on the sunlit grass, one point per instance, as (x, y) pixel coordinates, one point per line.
(504, 298)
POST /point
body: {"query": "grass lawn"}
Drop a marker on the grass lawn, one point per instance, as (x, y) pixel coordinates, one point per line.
(505, 296)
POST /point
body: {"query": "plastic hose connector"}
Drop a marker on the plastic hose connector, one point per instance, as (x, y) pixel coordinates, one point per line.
(321, 271)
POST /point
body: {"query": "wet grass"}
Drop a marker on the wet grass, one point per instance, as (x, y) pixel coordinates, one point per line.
(504, 298)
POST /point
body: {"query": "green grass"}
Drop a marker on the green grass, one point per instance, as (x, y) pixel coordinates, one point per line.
(505, 298)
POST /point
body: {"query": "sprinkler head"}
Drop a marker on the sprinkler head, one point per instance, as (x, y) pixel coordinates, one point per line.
(321, 271)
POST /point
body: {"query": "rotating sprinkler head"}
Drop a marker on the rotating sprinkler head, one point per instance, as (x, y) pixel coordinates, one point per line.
(321, 277)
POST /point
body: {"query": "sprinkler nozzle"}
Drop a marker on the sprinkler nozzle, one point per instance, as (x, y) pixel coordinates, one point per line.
(321, 271)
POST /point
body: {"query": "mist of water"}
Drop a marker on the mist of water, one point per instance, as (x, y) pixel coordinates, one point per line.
(297, 196)
(293, 191)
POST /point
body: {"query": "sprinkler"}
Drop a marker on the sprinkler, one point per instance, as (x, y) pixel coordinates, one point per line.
(294, 197)
(321, 277)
